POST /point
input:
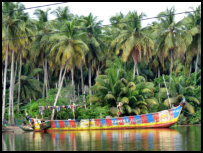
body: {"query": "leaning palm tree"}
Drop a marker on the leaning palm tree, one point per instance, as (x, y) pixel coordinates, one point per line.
(133, 41)
(67, 48)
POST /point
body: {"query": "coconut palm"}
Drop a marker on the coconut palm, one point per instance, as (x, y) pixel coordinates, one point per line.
(193, 24)
(171, 39)
(68, 50)
(112, 88)
(40, 47)
(13, 27)
(63, 14)
(30, 86)
(94, 43)
(133, 41)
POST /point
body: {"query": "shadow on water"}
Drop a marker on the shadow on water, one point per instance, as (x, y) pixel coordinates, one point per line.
(106, 140)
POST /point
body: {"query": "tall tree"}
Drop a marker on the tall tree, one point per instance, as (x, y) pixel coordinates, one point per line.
(13, 27)
(68, 49)
(193, 25)
(93, 41)
(41, 47)
(133, 41)
(170, 40)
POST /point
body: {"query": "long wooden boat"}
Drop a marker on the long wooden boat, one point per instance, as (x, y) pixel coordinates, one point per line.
(26, 128)
(162, 119)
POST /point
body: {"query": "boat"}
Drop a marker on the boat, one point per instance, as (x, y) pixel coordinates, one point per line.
(162, 119)
(26, 128)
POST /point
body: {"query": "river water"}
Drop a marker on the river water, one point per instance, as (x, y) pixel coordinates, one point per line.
(184, 138)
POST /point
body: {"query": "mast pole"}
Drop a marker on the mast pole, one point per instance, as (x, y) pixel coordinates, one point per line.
(167, 92)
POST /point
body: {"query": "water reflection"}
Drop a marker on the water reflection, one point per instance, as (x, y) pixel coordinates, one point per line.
(106, 140)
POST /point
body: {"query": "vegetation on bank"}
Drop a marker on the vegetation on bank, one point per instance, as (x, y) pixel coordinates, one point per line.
(96, 67)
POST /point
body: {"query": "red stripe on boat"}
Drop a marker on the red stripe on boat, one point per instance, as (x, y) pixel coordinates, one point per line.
(72, 123)
(144, 118)
(108, 122)
(156, 117)
(61, 124)
(120, 121)
(97, 122)
(131, 119)
(52, 124)
(171, 113)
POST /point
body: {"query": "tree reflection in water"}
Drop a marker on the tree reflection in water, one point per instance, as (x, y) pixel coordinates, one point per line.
(163, 139)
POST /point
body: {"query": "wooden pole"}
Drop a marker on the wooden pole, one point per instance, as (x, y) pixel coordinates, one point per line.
(167, 92)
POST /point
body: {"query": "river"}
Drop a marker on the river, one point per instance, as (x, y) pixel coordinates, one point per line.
(181, 138)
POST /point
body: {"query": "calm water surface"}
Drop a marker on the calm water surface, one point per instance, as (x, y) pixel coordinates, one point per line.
(180, 138)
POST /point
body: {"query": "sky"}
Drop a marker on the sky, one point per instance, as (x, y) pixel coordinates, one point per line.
(105, 10)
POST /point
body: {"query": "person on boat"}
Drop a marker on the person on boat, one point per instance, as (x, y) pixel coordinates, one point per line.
(24, 123)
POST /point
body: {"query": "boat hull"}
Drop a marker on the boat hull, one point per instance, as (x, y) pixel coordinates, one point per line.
(161, 119)
(26, 128)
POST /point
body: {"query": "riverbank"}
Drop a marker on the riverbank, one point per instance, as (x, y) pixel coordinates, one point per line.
(12, 129)
(185, 125)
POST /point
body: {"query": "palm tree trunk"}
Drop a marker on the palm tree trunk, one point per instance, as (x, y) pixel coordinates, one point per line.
(46, 77)
(61, 69)
(16, 68)
(4, 87)
(159, 84)
(11, 91)
(196, 67)
(190, 70)
(78, 89)
(72, 76)
(59, 90)
(134, 71)
(90, 81)
(82, 81)
(19, 74)
(135, 55)
(97, 71)
(171, 66)
(137, 69)
(45, 88)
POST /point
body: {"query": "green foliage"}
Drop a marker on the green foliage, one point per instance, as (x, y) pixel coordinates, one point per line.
(108, 51)
(94, 112)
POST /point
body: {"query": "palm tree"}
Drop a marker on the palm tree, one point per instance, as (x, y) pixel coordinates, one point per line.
(68, 49)
(112, 88)
(4, 49)
(30, 86)
(171, 39)
(193, 25)
(133, 41)
(62, 14)
(93, 42)
(13, 27)
(40, 46)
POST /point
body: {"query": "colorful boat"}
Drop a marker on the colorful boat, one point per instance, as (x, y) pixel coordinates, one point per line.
(26, 128)
(162, 119)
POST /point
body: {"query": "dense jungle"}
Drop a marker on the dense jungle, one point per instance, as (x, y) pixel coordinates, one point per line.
(76, 60)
